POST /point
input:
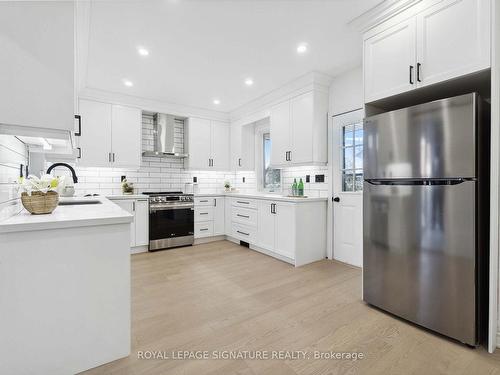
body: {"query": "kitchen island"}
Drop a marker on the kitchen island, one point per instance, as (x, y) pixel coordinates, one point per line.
(65, 289)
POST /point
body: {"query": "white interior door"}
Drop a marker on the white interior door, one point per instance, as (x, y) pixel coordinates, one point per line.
(347, 161)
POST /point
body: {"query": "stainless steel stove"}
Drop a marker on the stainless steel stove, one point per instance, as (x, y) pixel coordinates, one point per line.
(171, 220)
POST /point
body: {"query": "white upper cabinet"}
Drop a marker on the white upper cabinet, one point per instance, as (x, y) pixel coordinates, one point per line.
(389, 61)
(220, 147)
(454, 40)
(280, 133)
(437, 42)
(126, 136)
(299, 130)
(207, 143)
(95, 140)
(37, 64)
(198, 135)
(110, 135)
(242, 148)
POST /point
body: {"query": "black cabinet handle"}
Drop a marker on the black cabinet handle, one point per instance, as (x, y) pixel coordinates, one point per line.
(418, 72)
(203, 213)
(286, 156)
(246, 234)
(239, 162)
(203, 201)
(79, 132)
(79, 153)
(336, 199)
(215, 202)
(202, 229)
(242, 202)
(411, 75)
(245, 216)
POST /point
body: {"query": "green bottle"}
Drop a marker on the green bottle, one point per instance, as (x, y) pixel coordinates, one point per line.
(294, 187)
(301, 187)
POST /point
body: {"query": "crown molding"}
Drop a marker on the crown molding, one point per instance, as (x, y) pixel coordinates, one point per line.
(259, 107)
(151, 105)
(380, 13)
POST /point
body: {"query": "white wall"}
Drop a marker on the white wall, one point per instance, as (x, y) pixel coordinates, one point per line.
(346, 92)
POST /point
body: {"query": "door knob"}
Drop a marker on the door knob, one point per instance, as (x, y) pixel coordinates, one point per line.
(336, 199)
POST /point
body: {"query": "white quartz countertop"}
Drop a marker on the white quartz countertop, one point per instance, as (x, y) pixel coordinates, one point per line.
(68, 216)
(257, 195)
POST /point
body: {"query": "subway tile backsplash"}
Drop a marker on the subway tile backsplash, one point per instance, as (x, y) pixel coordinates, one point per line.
(168, 174)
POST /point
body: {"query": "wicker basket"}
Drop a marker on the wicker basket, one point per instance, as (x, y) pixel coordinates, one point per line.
(39, 203)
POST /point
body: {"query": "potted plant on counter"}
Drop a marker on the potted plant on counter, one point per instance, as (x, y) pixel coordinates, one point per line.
(39, 195)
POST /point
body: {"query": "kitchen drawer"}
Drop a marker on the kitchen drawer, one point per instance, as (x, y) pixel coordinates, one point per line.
(204, 229)
(244, 232)
(203, 214)
(204, 201)
(245, 203)
(244, 216)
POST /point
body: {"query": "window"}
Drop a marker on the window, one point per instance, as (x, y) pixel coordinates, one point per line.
(352, 157)
(271, 179)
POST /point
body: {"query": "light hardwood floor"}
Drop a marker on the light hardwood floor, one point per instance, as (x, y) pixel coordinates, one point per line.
(220, 296)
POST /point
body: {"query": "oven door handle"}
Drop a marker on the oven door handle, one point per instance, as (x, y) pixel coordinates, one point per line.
(171, 207)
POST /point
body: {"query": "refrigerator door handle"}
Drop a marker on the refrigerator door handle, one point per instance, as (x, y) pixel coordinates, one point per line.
(421, 181)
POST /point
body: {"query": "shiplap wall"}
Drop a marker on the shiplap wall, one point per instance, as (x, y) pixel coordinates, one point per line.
(168, 174)
(12, 153)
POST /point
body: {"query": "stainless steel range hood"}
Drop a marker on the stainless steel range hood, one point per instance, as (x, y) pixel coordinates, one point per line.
(164, 137)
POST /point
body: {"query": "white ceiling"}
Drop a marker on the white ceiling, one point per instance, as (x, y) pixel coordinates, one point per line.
(201, 50)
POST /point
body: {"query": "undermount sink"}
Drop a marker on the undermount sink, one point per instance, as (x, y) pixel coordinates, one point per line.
(75, 202)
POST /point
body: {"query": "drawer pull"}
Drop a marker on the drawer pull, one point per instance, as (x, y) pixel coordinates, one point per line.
(203, 229)
(205, 201)
(242, 202)
(246, 234)
(245, 216)
(203, 213)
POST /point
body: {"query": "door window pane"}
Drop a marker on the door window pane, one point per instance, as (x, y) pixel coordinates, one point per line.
(358, 185)
(347, 181)
(348, 135)
(348, 158)
(358, 157)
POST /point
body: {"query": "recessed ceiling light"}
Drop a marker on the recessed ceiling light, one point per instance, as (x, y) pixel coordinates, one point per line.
(142, 51)
(302, 48)
(249, 81)
(128, 83)
(216, 101)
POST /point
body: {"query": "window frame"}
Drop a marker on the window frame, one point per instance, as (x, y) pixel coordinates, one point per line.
(260, 132)
(353, 171)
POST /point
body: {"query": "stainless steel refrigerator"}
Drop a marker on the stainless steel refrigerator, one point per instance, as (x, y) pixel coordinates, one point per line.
(425, 215)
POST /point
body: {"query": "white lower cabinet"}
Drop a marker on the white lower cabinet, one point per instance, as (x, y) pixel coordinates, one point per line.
(139, 228)
(209, 216)
(277, 228)
(292, 232)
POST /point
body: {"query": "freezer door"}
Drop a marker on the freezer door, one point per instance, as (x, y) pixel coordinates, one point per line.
(419, 255)
(432, 140)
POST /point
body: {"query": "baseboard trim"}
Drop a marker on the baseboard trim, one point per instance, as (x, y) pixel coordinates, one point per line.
(139, 249)
(199, 241)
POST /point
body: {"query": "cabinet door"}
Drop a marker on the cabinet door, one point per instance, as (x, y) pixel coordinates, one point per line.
(95, 141)
(128, 205)
(219, 216)
(199, 143)
(37, 63)
(265, 225)
(453, 39)
(126, 136)
(302, 122)
(284, 239)
(280, 133)
(236, 140)
(141, 222)
(247, 141)
(389, 61)
(220, 146)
